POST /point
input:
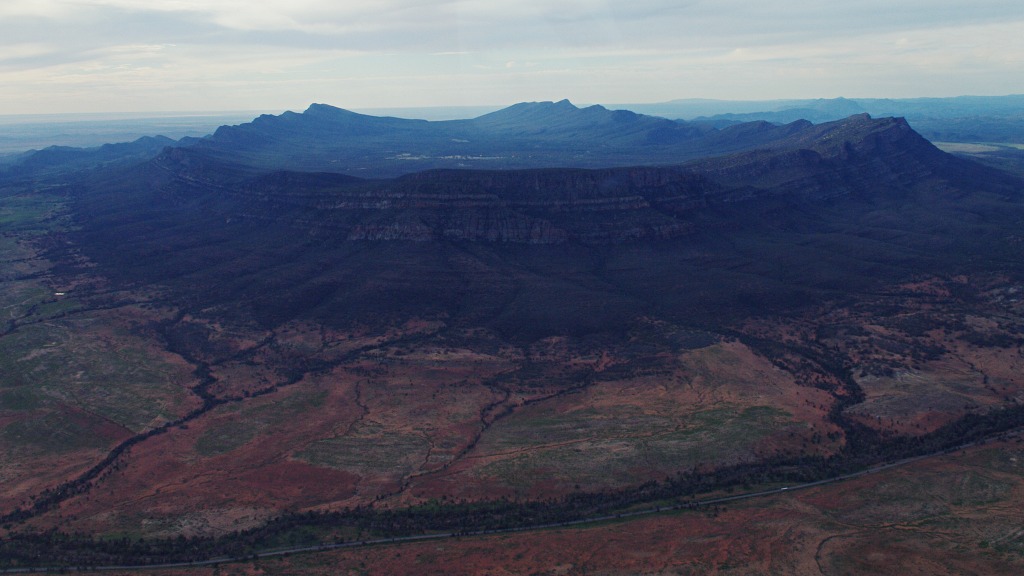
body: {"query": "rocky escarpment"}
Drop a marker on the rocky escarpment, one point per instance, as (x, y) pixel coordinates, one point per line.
(531, 206)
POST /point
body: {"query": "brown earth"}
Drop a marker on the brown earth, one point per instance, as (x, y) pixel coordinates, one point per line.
(317, 418)
(922, 355)
(306, 417)
(410, 430)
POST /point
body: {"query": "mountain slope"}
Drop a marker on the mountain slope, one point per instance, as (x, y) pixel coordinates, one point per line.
(445, 243)
(58, 160)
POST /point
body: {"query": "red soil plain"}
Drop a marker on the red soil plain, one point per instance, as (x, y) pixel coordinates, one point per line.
(949, 515)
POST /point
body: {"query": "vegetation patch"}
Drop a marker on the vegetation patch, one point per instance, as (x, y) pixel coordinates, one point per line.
(246, 422)
(225, 437)
(70, 362)
(369, 453)
(591, 449)
(52, 433)
(22, 213)
(18, 399)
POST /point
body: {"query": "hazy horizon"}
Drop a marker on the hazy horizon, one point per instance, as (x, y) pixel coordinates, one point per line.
(434, 111)
(23, 132)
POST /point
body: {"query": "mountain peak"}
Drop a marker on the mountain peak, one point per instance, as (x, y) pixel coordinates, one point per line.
(562, 114)
(317, 108)
(529, 111)
(326, 111)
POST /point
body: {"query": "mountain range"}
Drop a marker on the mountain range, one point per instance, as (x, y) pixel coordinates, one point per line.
(324, 325)
(338, 231)
(528, 135)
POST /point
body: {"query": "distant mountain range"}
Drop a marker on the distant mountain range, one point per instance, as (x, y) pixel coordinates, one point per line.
(958, 119)
(527, 135)
(824, 109)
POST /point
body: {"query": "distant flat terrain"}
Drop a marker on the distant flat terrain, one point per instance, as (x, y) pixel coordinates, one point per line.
(38, 131)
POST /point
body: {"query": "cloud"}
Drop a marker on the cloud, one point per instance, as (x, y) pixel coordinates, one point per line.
(418, 25)
(24, 50)
(415, 50)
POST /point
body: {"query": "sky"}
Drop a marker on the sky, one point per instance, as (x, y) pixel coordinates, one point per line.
(74, 56)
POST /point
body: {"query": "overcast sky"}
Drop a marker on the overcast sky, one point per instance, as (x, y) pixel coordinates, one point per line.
(61, 56)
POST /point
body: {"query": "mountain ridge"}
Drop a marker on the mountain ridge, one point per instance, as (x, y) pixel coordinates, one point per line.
(378, 226)
(525, 135)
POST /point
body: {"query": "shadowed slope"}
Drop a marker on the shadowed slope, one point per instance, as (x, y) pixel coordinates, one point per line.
(833, 207)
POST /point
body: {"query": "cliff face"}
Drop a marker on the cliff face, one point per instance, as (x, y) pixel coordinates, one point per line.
(529, 207)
